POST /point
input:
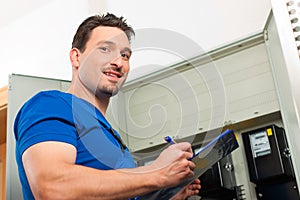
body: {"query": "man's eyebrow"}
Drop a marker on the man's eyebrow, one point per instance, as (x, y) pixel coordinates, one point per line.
(106, 42)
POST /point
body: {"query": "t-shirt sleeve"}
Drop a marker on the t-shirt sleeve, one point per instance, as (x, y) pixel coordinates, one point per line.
(44, 118)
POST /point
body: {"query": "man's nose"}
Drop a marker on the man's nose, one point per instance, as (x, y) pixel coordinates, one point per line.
(117, 61)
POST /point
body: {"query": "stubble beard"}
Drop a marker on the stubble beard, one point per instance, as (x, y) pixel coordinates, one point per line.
(108, 90)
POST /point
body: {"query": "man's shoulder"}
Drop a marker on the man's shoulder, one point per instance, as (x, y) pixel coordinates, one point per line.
(50, 95)
(49, 98)
(46, 102)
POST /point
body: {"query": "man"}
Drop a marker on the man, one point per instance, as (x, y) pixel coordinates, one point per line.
(66, 149)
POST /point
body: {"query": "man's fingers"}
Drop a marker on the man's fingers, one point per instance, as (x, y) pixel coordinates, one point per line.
(192, 165)
(184, 146)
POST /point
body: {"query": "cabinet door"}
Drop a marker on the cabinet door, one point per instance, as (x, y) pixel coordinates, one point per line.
(2, 179)
(192, 102)
(20, 89)
(283, 47)
(2, 171)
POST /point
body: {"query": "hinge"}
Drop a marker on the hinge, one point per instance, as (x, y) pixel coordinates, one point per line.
(10, 82)
(266, 35)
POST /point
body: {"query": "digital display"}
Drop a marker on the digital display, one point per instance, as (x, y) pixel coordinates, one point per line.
(260, 144)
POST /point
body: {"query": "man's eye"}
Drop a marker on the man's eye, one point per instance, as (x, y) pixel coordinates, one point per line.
(125, 55)
(105, 49)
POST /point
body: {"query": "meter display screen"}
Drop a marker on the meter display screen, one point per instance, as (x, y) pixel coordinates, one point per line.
(260, 144)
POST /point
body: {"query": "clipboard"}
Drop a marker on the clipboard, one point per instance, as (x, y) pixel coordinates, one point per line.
(205, 158)
(211, 153)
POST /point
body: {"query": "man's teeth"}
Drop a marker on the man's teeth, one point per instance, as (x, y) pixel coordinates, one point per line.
(110, 74)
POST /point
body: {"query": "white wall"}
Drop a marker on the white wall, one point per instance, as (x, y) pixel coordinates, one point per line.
(36, 36)
(210, 24)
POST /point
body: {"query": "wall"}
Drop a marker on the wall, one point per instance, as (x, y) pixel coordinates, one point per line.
(36, 36)
(210, 24)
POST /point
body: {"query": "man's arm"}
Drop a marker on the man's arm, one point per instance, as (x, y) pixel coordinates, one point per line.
(52, 173)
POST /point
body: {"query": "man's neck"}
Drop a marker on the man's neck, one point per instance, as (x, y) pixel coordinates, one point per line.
(100, 102)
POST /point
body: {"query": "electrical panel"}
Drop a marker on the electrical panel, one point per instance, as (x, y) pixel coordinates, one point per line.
(268, 155)
(269, 163)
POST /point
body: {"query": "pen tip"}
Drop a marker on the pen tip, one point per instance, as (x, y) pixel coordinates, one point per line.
(167, 138)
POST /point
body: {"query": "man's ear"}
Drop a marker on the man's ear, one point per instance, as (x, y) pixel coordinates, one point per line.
(74, 57)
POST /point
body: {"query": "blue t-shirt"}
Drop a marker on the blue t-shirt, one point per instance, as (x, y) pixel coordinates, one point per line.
(58, 116)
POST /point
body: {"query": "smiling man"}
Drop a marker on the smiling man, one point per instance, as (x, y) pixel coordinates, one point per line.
(65, 147)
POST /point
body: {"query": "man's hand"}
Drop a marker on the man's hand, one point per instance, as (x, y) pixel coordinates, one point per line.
(189, 190)
(173, 164)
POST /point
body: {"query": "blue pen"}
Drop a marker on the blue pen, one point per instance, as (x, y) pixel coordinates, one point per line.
(169, 140)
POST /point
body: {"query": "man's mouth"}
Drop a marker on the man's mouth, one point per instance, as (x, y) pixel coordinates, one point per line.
(113, 74)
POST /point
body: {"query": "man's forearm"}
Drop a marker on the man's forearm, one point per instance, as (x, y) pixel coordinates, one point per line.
(79, 182)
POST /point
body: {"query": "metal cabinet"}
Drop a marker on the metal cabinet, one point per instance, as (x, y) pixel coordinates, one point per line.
(181, 102)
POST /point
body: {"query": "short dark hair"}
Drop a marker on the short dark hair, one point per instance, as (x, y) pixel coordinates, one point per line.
(85, 28)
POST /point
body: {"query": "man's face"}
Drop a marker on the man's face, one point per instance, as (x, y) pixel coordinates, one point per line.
(104, 64)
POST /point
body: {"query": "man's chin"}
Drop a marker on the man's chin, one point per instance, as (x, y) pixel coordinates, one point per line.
(114, 90)
(114, 93)
(108, 92)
